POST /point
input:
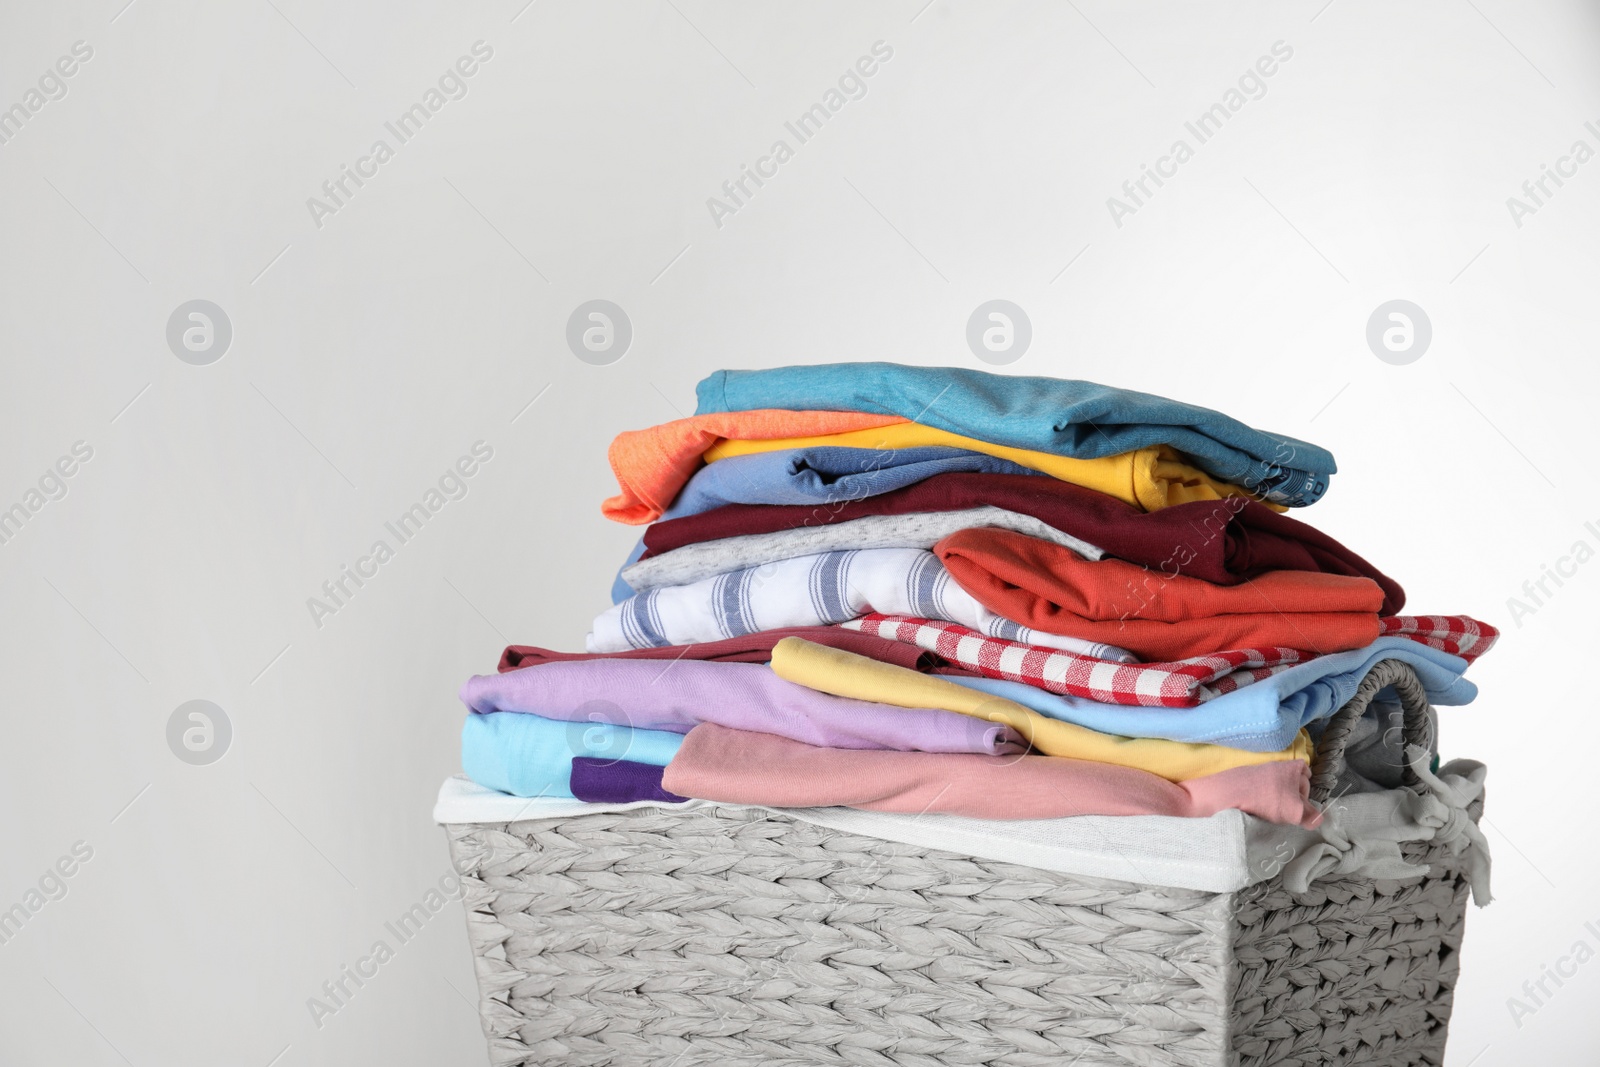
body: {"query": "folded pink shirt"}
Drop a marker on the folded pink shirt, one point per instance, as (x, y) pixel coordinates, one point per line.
(743, 767)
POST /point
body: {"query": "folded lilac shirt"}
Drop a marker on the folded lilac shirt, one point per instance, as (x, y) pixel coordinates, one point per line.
(678, 695)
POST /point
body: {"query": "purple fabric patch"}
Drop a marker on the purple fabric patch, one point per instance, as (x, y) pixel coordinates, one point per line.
(607, 781)
(677, 696)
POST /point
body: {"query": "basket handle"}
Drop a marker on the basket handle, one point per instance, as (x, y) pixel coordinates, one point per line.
(1328, 763)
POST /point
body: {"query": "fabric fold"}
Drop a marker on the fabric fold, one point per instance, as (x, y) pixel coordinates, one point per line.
(1263, 716)
(1221, 541)
(598, 781)
(743, 767)
(808, 591)
(820, 478)
(1180, 684)
(828, 476)
(746, 648)
(1361, 835)
(1050, 589)
(748, 696)
(531, 756)
(1152, 478)
(1458, 635)
(844, 674)
(1075, 418)
(692, 563)
(652, 464)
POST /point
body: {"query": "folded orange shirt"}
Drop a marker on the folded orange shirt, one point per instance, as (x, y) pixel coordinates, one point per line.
(1051, 588)
(652, 465)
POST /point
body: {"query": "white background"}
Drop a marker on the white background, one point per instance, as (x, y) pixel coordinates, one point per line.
(369, 353)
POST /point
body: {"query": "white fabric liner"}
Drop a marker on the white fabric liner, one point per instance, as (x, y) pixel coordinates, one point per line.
(1212, 854)
(1359, 837)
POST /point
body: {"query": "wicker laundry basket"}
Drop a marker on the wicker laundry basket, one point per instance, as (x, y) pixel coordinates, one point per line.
(740, 937)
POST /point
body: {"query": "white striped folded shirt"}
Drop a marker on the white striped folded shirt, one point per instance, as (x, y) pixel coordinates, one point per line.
(816, 590)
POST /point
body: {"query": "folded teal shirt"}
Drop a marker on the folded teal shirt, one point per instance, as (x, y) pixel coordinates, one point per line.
(1060, 416)
(531, 756)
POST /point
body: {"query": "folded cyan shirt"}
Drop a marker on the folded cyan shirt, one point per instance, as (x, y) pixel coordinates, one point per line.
(531, 756)
(1067, 417)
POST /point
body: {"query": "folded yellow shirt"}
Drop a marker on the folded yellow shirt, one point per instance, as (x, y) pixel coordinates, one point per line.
(845, 674)
(1149, 478)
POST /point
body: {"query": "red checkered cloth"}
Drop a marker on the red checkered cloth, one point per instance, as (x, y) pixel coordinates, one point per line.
(1455, 634)
(1181, 684)
(1157, 685)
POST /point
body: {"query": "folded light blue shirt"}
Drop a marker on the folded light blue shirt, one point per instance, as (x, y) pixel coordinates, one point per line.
(1264, 716)
(531, 756)
(828, 475)
(1060, 416)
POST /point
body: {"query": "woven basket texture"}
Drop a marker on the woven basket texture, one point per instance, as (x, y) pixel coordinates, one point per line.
(741, 937)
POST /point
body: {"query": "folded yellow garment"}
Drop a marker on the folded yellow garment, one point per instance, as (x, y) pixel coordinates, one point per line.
(845, 674)
(1149, 478)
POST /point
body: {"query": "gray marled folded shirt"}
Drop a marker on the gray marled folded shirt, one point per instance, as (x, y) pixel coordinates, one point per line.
(921, 529)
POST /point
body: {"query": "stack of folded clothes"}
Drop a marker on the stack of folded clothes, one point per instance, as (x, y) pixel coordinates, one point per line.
(910, 589)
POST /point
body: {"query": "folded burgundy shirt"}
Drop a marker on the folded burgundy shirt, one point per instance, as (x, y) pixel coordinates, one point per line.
(1220, 541)
(751, 648)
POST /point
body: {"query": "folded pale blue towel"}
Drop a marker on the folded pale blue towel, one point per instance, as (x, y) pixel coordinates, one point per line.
(1060, 416)
(1264, 716)
(814, 476)
(531, 756)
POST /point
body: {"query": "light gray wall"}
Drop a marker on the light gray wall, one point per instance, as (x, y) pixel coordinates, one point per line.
(371, 351)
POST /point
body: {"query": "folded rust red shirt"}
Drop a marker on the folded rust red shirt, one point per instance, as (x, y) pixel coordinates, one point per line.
(750, 648)
(1220, 541)
(1053, 589)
